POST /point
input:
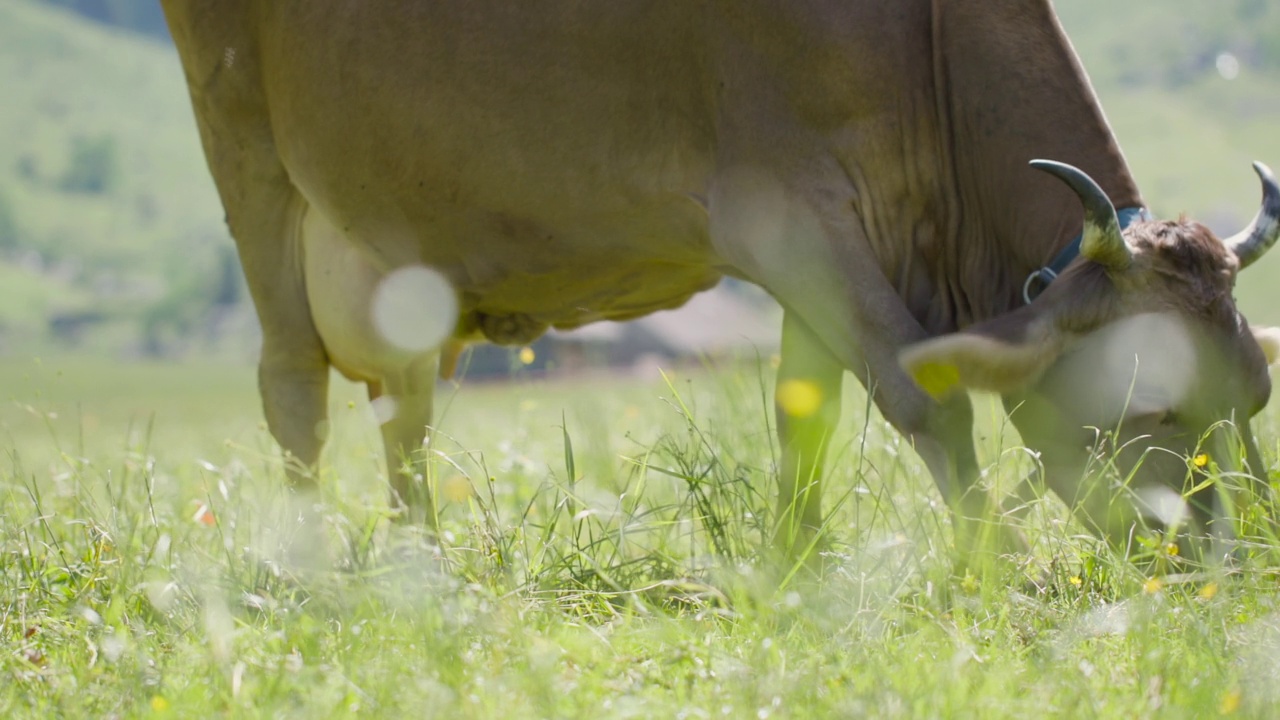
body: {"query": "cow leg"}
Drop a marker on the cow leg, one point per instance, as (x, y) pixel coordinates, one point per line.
(798, 238)
(293, 371)
(265, 218)
(807, 404)
(407, 404)
(942, 434)
(264, 213)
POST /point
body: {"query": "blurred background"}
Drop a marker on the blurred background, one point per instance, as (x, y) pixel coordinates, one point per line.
(112, 241)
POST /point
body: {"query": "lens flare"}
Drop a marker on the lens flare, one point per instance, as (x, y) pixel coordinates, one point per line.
(414, 308)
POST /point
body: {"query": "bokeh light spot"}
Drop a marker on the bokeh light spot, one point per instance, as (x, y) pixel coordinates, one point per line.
(414, 308)
(384, 409)
(1228, 66)
(1162, 504)
(455, 488)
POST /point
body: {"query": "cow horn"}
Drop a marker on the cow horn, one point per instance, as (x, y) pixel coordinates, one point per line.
(1101, 240)
(1250, 244)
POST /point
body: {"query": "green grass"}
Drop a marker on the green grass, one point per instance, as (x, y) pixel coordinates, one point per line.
(601, 556)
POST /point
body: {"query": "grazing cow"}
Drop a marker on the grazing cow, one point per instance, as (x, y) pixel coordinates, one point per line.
(397, 172)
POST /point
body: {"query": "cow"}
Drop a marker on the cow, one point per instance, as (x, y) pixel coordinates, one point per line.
(407, 176)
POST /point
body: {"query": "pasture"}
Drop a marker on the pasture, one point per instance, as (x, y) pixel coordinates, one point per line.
(602, 555)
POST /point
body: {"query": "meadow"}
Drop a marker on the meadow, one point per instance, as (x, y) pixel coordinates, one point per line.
(604, 541)
(602, 554)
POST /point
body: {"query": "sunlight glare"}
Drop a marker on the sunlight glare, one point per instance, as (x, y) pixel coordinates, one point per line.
(414, 308)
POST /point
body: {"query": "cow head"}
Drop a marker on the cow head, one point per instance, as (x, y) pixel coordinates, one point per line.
(1137, 350)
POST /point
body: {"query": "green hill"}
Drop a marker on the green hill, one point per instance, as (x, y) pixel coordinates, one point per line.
(109, 221)
(106, 190)
(1190, 133)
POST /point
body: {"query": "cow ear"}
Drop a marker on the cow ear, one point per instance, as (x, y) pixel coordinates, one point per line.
(1003, 356)
(1269, 340)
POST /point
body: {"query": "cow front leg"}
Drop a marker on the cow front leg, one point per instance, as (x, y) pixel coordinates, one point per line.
(942, 435)
(807, 405)
(405, 406)
(800, 237)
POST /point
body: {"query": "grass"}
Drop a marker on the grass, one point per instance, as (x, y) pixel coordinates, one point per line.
(601, 556)
(603, 548)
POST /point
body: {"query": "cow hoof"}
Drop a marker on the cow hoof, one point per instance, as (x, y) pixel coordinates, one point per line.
(513, 329)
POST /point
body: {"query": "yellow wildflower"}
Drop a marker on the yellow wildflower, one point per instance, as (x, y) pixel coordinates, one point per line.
(1230, 702)
(799, 398)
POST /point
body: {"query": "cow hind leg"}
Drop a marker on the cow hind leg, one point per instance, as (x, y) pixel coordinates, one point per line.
(293, 371)
(404, 406)
(264, 212)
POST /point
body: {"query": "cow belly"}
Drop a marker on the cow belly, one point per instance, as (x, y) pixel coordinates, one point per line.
(534, 267)
(341, 284)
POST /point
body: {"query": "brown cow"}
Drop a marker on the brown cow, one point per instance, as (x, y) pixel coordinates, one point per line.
(398, 172)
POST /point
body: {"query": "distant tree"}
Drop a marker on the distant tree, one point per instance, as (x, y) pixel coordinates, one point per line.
(8, 225)
(229, 284)
(93, 166)
(205, 285)
(27, 168)
(138, 15)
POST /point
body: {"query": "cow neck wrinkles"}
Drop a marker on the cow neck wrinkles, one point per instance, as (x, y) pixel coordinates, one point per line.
(1011, 89)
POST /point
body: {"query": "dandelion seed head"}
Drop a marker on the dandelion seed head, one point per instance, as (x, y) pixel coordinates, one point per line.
(1106, 619)
(113, 646)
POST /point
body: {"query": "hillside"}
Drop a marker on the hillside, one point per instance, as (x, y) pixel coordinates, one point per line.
(108, 219)
(101, 173)
(1189, 132)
